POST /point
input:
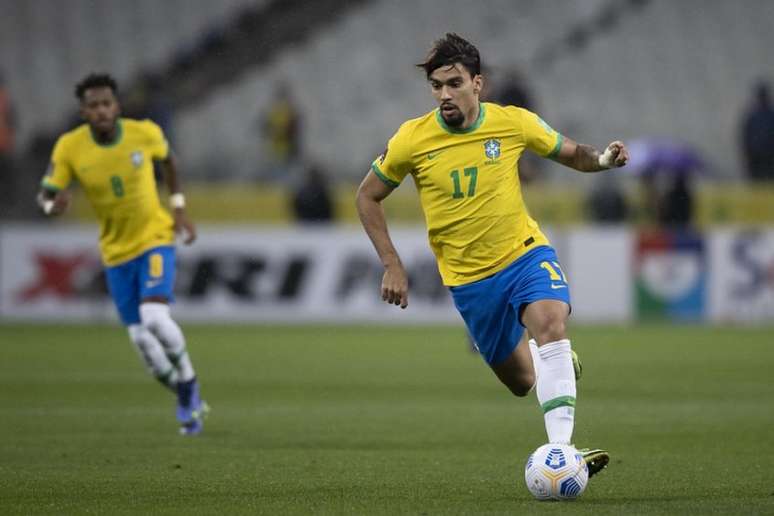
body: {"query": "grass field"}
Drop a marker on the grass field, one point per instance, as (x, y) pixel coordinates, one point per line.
(358, 420)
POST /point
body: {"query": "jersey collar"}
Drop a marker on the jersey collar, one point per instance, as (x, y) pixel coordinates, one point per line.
(473, 127)
(116, 141)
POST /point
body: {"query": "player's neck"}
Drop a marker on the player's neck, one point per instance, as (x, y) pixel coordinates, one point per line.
(106, 137)
(471, 117)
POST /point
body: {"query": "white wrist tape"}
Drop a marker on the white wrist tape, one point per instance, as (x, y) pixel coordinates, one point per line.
(606, 158)
(48, 206)
(177, 200)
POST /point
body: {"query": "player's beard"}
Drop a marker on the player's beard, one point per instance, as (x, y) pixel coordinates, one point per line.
(454, 118)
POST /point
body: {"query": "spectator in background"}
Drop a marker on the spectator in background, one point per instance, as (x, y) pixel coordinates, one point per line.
(667, 170)
(7, 134)
(676, 210)
(607, 203)
(758, 135)
(312, 200)
(513, 91)
(146, 98)
(668, 197)
(281, 128)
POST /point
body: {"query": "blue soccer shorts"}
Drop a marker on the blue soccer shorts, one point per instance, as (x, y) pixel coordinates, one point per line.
(152, 274)
(492, 307)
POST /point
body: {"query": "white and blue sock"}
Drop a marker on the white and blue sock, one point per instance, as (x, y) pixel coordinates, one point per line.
(556, 389)
(156, 317)
(152, 354)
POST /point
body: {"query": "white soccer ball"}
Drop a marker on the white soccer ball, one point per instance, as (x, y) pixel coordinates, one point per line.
(556, 472)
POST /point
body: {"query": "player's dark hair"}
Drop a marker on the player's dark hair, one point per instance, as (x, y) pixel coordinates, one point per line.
(449, 50)
(95, 80)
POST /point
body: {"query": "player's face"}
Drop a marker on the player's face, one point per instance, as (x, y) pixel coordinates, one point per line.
(456, 93)
(100, 109)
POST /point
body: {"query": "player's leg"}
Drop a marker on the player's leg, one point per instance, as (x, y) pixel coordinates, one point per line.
(559, 368)
(152, 354)
(518, 372)
(535, 356)
(556, 390)
(156, 317)
(122, 285)
(542, 301)
(156, 290)
(493, 325)
(576, 363)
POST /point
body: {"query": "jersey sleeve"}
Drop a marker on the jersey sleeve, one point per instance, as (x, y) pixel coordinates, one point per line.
(60, 171)
(395, 162)
(158, 145)
(539, 137)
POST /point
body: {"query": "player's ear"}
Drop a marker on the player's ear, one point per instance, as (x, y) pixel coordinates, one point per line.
(478, 84)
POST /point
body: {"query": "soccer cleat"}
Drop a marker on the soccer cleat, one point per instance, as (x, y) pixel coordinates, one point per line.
(576, 365)
(596, 460)
(191, 409)
(195, 425)
(192, 427)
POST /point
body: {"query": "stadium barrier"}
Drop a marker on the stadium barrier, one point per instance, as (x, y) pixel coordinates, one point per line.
(557, 204)
(296, 275)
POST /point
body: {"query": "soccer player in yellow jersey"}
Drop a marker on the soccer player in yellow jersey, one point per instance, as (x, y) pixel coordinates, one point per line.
(502, 272)
(112, 158)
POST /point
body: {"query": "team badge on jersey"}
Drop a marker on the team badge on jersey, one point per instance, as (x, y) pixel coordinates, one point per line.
(492, 149)
(136, 158)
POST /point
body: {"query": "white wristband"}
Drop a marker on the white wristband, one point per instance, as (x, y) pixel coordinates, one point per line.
(48, 206)
(606, 159)
(177, 200)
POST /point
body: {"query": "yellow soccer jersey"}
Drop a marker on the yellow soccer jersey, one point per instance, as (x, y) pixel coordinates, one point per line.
(469, 186)
(119, 183)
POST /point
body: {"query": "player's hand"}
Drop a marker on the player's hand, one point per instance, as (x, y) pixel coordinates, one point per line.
(395, 285)
(56, 205)
(184, 226)
(615, 155)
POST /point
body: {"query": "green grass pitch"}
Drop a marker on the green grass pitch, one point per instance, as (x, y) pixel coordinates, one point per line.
(379, 420)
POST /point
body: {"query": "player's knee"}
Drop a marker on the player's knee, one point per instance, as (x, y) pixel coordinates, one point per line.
(551, 329)
(521, 385)
(153, 315)
(522, 388)
(138, 334)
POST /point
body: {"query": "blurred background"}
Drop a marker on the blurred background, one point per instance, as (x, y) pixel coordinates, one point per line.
(277, 107)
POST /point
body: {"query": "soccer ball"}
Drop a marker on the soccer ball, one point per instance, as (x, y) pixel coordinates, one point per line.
(556, 472)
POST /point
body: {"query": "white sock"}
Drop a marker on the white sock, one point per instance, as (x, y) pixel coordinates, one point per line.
(533, 349)
(556, 390)
(156, 317)
(152, 353)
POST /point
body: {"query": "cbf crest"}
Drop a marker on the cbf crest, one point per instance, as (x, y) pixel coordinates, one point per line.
(492, 149)
(136, 158)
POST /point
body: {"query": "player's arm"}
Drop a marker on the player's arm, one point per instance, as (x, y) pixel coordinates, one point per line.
(370, 194)
(53, 197)
(586, 158)
(169, 168)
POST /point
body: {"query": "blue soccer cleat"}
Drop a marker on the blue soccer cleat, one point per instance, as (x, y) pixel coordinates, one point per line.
(191, 409)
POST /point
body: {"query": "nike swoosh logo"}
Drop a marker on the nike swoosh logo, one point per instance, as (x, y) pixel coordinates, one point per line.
(432, 155)
(557, 286)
